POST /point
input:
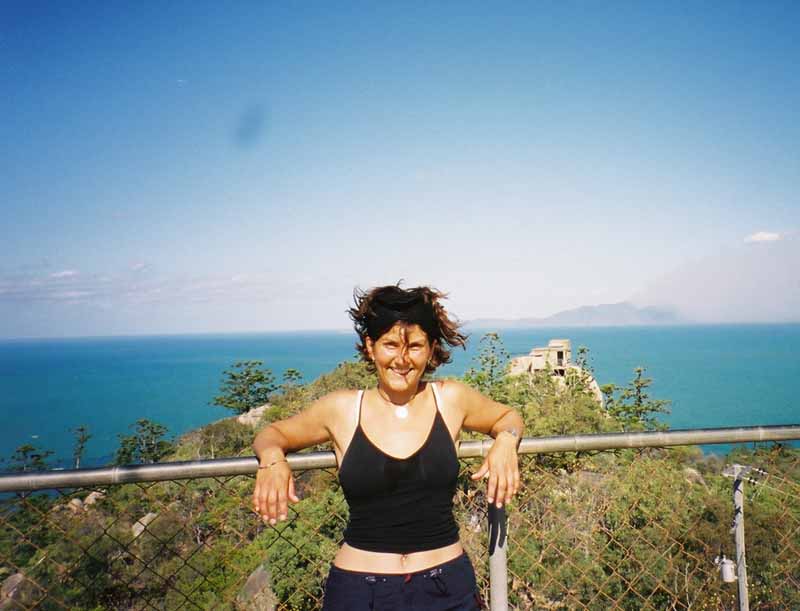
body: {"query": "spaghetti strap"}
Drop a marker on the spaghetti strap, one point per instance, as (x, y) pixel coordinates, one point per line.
(358, 407)
(437, 398)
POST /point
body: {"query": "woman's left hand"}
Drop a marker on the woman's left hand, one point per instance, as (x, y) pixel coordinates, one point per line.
(502, 469)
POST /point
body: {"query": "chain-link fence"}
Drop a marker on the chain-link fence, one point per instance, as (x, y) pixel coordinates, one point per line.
(642, 530)
(615, 529)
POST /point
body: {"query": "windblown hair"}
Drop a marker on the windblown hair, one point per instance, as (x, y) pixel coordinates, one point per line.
(379, 309)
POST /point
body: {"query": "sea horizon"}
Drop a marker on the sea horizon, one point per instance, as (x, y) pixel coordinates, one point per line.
(348, 330)
(715, 375)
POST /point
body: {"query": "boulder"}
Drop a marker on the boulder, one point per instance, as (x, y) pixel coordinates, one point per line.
(257, 594)
(141, 523)
(18, 593)
(693, 476)
(253, 417)
(590, 478)
(475, 522)
(93, 497)
(75, 505)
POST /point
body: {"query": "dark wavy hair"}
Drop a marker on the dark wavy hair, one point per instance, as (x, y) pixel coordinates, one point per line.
(379, 309)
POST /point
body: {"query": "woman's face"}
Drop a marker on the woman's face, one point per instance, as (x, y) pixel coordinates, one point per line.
(400, 356)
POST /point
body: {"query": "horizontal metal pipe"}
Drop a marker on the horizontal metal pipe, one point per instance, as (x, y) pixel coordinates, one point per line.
(225, 467)
(220, 467)
(658, 439)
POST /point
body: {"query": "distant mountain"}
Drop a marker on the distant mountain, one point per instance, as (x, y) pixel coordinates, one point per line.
(753, 283)
(750, 283)
(604, 315)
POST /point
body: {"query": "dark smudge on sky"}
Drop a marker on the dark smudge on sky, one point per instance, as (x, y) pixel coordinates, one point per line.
(250, 128)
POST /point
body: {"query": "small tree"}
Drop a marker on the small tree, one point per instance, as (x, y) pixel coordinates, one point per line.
(292, 377)
(81, 437)
(28, 457)
(492, 363)
(582, 360)
(146, 445)
(580, 380)
(632, 405)
(245, 386)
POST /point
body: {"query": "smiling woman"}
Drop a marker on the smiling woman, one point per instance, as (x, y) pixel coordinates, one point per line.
(396, 450)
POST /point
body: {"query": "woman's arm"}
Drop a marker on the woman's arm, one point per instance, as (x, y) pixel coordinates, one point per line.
(484, 415)
(302, 430)
(274, 482)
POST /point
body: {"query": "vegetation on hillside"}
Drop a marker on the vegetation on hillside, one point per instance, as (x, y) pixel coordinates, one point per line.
(638, 527)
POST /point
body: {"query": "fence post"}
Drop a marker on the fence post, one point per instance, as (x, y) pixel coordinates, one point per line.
(498, 569)
(738, 472)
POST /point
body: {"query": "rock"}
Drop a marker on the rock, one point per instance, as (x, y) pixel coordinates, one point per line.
(93, 497)
(75, 505)
(590, 478)
(257, 594)
(253, 417)
(18, 593)
(693, 476)
(141, 523)
(475, 523)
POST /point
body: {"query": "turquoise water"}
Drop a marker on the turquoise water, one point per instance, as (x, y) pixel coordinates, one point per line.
(734, 375)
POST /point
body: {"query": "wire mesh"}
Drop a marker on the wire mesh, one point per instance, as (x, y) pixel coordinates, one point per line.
(640, 530)
(611, 530)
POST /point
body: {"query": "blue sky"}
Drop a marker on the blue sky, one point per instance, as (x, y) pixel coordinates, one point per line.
(201, 167)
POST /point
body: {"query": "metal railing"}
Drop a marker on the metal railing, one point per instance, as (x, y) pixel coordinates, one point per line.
(634, 528)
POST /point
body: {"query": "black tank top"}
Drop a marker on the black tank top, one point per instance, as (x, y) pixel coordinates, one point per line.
(400, 505)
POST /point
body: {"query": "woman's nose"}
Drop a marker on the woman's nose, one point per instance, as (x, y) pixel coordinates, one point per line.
(402, 356)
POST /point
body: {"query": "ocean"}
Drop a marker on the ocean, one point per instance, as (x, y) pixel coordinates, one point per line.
(715, 375)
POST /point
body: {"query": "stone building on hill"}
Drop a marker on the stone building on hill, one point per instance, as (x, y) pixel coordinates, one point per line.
(556, 357)
(557, 354)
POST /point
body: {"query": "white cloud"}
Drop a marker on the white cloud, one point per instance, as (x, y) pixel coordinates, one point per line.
(67, 273)
(763, 236)
(140, 266)
(137, 288)
(71, 294)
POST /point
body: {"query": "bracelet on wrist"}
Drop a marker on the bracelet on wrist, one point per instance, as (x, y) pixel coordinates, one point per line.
(273, 463)
(514, 433)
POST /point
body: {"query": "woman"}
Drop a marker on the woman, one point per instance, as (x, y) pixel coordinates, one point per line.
(395, 447)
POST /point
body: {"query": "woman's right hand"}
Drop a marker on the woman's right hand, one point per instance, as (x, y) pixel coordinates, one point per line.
(273, 492)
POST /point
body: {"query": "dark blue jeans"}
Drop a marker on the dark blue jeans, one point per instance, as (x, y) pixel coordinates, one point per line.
(447, 587)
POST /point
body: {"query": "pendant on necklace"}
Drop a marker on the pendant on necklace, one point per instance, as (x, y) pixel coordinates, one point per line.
(401, 411)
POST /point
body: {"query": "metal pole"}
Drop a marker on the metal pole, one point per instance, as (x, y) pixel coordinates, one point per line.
(498, 568)
(653, 439)
(71, 478)
(738, 472)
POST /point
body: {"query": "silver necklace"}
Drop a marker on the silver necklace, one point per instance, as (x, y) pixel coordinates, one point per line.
(400, 411)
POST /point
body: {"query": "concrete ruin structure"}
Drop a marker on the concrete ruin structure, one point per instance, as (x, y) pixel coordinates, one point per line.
(557, 354)
(556, 358)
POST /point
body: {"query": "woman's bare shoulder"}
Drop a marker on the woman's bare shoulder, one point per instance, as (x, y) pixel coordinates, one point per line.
(320, 421)
(454, 389)
(455, 393)
(335, 404)
(464, 397)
